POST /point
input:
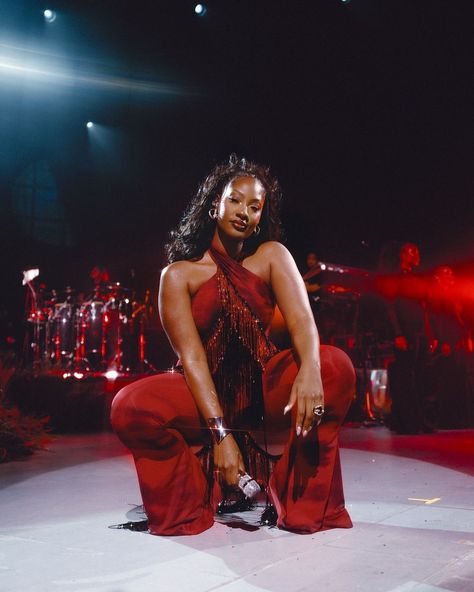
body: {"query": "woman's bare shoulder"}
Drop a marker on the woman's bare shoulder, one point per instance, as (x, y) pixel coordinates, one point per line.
(185, 271)
(272, 249)
(176, 272)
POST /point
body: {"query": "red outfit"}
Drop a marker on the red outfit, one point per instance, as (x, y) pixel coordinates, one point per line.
(158, 420)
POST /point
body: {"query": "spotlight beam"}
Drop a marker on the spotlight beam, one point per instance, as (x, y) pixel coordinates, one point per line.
(105, 82)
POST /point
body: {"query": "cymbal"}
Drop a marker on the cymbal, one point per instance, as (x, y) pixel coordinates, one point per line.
(117, 286)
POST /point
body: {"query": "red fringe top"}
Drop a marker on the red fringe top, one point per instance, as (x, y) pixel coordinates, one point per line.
(233, 311)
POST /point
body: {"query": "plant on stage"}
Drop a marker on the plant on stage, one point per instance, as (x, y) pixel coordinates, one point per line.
(20, 435)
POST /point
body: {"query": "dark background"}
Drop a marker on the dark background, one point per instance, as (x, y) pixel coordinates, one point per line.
(363, 109)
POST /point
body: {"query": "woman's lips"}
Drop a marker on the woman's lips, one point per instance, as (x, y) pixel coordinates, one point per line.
(239, 226)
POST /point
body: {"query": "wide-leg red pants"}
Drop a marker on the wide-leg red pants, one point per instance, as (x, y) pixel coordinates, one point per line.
(157, 419)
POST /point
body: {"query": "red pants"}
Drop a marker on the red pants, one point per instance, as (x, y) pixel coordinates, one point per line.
(157, 419)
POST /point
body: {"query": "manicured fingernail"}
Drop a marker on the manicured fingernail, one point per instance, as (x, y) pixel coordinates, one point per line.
(298, 430)
(286, 409)
(305, 432)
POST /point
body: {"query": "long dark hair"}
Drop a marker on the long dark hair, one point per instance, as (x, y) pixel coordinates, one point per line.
(193, 235)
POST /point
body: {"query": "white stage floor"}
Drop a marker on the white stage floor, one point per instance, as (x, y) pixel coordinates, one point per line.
(411, 499)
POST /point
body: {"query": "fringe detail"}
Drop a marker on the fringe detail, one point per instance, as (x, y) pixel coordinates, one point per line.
(238, 319)
(239, 338)
(237, 350)
(258, 462)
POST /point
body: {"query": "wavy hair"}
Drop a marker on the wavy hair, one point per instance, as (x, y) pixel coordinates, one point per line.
(193, 235)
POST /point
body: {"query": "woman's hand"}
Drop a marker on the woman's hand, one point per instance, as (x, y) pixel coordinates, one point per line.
(228, 460)
(292, 299)
(307, 393)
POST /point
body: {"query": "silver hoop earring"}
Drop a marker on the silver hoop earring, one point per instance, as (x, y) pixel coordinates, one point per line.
(213, 213)
(257, 230)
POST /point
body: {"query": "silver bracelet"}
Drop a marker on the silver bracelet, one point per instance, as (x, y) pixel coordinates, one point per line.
(218, 429)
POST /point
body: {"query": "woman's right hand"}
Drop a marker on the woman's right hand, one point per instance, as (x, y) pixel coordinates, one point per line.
(228, 460)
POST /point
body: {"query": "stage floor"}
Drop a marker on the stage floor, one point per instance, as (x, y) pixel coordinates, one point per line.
(411, 499)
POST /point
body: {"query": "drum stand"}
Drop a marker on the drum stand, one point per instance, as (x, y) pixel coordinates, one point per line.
(144, 366)
(81, 363)
(115, 364)
(35, 313)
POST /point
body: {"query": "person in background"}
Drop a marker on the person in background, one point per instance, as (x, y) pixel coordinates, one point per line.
(412, 403)
(449, 380)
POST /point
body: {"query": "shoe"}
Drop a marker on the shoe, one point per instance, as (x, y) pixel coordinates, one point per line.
(269, 516)
(232, 506)
(137, 526)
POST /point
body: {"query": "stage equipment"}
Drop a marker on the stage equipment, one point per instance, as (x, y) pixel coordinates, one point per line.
(337, 309)
(68, 334)
(35, 318)
(200, 9)
(377, 401)
(49, 15)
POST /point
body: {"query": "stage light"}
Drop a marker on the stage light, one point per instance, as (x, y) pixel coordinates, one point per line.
(89, 124)
(49, 15)
(200, 9)
(111, 374)
(78, 375)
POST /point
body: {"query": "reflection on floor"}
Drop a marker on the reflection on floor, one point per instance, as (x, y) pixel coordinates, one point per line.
(411, 499)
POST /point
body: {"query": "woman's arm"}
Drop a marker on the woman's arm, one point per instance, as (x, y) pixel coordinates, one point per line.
(310, 288)
(178, 322)
(292, 299)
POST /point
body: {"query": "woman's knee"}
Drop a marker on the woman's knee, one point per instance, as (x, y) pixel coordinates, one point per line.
(339, 363)
(152, 408)
(339, 377)
(120, 412)
(135, 405)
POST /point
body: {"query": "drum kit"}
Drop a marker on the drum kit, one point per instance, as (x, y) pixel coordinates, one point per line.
(74, 334)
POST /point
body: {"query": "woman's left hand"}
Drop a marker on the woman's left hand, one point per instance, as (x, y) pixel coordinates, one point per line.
(307, 393)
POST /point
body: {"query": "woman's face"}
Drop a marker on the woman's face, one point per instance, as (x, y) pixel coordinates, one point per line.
(240, 207)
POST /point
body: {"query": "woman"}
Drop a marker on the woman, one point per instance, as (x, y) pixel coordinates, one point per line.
(217, 299)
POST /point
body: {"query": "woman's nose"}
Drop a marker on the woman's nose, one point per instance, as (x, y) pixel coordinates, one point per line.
(242, 213)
